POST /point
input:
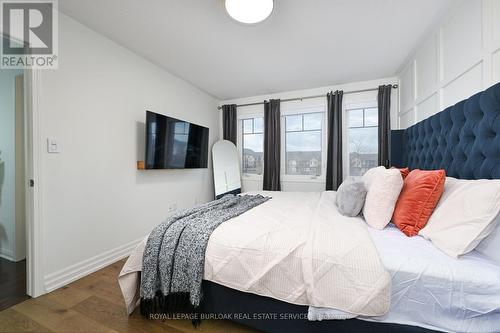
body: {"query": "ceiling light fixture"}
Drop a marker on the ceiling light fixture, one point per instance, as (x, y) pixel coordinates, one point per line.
(249, 11)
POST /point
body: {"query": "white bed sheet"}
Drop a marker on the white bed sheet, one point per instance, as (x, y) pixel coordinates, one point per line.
(297, 248)
(433, 290)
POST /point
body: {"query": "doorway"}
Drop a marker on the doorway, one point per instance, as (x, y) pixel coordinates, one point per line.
(13, 188)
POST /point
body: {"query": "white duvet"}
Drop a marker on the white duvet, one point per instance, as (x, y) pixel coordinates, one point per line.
(433, 290)
(296, 248)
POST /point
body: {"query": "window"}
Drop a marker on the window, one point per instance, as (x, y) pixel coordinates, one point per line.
(303, 143)
(362, 136)
(181, 136)
(253, 145)
(181, 131)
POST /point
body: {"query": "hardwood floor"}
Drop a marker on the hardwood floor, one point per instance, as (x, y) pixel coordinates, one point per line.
(94, 304)
(12, 283)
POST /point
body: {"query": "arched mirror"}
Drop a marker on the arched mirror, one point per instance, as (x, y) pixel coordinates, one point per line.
(227, 178)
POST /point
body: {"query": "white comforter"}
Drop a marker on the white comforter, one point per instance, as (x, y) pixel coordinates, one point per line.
(296, 248)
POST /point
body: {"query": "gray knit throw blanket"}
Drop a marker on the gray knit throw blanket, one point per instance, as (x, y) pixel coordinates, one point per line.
(174, 256)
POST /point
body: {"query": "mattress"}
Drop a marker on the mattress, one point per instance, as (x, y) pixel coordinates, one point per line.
(435, 291)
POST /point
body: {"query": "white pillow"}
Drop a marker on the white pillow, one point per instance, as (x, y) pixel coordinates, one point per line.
(383, 186)
(370, 175)
(490, 246)
(464, 216)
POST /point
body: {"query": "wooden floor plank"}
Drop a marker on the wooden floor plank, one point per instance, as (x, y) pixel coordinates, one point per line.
(115, 318)
(59, 318)
(68, 297)
(13, 321)
(102, 288)
(95, 304)
(12, 283)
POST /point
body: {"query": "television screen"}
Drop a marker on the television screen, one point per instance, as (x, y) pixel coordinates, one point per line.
(174, 144)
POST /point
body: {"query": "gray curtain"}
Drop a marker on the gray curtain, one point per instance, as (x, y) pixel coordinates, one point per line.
(229, 123)
(272, 145)
(384, 123)
(334, 149)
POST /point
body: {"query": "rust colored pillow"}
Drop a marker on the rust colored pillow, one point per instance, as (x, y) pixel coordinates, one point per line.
(404, 171)
(420, 194)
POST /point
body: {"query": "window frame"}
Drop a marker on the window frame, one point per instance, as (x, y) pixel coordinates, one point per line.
(302, 110)
(369, 104)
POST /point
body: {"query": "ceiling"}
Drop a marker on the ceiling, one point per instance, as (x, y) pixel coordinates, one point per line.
(304, 44)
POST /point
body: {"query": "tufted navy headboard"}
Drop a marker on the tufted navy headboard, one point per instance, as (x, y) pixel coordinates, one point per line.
(463, 139)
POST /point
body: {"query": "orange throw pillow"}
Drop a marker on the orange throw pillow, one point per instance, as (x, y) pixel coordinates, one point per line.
(420, 194)
(404, 171)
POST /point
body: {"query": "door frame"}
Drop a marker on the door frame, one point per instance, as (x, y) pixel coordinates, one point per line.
(33, 163)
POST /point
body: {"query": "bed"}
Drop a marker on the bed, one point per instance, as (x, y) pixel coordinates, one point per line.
(285, 249)
(430, 291)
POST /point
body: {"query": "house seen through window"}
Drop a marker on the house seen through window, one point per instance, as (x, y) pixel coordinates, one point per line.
(303, 140)
(253, 145)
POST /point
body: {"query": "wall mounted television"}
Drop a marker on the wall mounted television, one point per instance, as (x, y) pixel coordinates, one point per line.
(174, 144)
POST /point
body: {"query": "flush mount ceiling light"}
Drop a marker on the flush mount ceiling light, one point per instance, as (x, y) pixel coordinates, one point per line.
(249, 11)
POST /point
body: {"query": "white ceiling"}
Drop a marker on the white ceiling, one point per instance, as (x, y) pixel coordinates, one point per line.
(304, 44)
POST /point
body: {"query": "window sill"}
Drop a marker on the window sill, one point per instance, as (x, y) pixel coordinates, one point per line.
(303, 180)
(285, 180)
(254, 178)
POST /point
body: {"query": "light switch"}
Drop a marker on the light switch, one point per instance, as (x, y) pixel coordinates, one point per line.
(53, 146)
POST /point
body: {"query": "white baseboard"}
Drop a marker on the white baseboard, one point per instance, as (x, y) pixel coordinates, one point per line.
(7, 254)
(74, 272)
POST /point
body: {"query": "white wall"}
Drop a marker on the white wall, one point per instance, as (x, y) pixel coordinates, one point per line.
(460, 58)
(254, 183)
(7, 164)
(96, 205)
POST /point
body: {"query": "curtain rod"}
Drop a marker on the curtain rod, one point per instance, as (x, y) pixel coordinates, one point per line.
(394, 86)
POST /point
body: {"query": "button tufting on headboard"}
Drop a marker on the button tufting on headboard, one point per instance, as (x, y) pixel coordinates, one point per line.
(463, 139)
